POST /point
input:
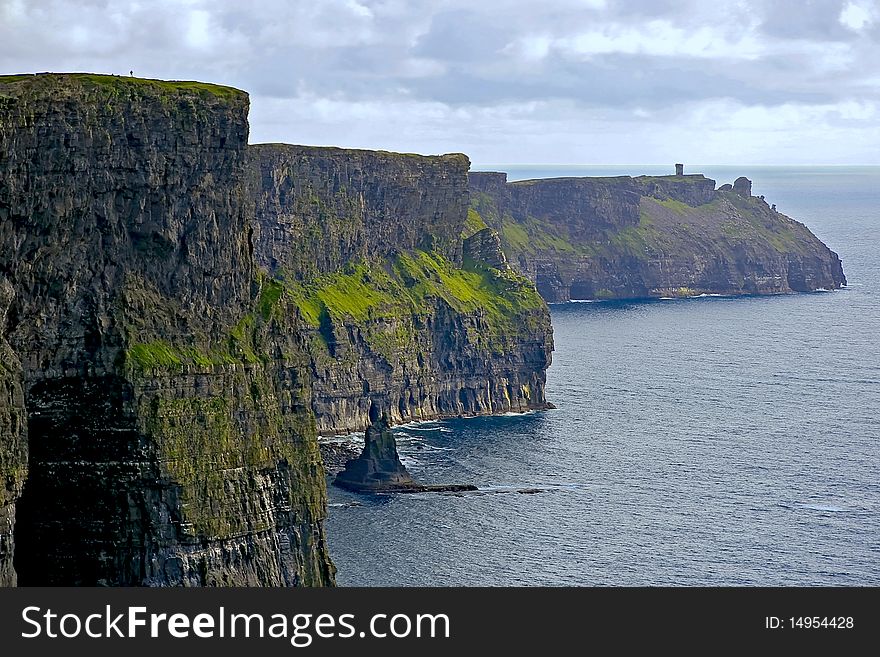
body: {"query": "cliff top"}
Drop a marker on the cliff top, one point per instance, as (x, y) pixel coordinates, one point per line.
(350, 152)
(119, 83)
(689, 178)
(563, 180)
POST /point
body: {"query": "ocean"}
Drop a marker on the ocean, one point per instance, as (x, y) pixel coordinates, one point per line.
(709, 441)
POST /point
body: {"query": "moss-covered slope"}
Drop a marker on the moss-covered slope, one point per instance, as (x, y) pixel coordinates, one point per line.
(651, 236)
(402, 319)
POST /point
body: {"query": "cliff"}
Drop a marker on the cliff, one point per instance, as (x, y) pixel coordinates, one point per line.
(13, 446)
(402, 320)
(650, 236)
(170, 441)
(183, 314)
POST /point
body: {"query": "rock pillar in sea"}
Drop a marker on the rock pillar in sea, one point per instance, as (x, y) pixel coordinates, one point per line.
(378, 468)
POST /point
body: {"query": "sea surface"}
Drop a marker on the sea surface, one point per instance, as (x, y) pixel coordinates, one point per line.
(709, 441)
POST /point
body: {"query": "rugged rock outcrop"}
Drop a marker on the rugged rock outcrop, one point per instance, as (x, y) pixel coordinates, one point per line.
(404, 321)
(650, 236)
(168, 422)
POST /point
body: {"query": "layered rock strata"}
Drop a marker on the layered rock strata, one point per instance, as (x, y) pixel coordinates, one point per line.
(378, 468)
(415, 319)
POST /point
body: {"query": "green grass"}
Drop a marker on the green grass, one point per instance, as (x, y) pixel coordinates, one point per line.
(270, 293)
(473, 224)
(7, 79)
(386, 299)
(678, 207)
(237, 347)
(516, 237)
(535, 236)
(155, 355)
(756, 223)
(120, 83)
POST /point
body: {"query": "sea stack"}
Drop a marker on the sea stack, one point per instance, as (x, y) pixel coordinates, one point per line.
(378, 468)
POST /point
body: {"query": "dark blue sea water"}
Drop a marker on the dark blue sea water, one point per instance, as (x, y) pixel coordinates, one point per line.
(707, 441)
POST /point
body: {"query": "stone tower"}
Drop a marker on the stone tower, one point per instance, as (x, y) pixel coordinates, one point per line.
(679, 169)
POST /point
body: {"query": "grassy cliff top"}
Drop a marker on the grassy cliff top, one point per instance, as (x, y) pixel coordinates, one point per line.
(567, 180)
(336, 151)
(123, 83)
(688, 178)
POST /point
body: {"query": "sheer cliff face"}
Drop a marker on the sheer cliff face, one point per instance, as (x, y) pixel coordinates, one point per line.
(403, 320)
(600, 238)
(322, 208)
(13, 445)
(167, 419)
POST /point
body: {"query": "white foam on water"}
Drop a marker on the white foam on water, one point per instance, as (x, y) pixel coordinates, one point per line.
(819, 507)
(342, 438)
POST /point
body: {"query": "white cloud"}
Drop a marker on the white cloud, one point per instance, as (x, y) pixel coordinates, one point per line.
(198, 33)
(856, 16)
(662, 38)
(576, 81)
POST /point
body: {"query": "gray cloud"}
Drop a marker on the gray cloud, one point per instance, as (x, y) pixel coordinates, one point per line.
(559, 78)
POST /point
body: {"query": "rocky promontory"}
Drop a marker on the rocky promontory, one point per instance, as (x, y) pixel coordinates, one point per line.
(649, 236)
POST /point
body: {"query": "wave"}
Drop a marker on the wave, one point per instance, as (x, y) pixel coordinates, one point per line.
(352, 437)
(810, 506)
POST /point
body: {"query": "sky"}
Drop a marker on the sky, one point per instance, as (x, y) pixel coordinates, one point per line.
(526, 81)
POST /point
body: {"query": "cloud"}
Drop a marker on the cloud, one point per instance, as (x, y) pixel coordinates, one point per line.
(562, 80)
